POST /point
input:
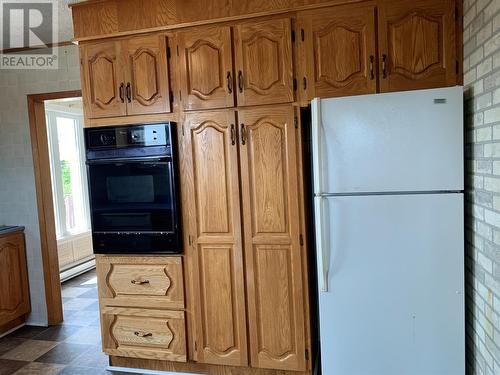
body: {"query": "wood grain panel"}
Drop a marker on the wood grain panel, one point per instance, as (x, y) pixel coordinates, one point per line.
(206, 68)
(417, 43)
(155, 282)
(340, 51)
(273, 255)
(197, 368)
(147, 74)
(102, 79)
(217, 260)
(263, 55)
(14, 292)
(141, 333)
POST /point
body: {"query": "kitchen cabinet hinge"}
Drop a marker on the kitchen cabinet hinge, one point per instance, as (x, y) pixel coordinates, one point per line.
(177, 48)
(195, 346)
(304, 83)
(296, 122)
(293, 36)
(295, 84)
(306, 354)
(182, 128)
(168, 53)
(302, 34)
(301, 240)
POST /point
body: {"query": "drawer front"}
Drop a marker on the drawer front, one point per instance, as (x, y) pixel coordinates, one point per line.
(141, 281)
(143, 333)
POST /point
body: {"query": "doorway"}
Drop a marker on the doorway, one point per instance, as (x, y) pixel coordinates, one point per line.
(64, 121)
(56, 127)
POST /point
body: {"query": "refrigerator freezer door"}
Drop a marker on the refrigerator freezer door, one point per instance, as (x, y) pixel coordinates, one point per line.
(396, 142)
(395, 300)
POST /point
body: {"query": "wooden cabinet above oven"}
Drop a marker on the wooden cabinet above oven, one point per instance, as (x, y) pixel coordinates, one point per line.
(125, 77)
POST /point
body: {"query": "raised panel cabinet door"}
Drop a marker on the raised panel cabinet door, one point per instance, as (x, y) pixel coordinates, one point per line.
(263, 53)
(217, 248)
(206, 68)
(14, 297)
(340, 51)
(271, 238)
(417, 44)
(103, 85)
(147, 88)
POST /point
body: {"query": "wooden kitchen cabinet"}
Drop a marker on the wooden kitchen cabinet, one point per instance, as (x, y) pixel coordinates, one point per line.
(102, 73)
(14, 289)
(215, 240)
(271, 222)
(125, 77)
(263, 55)
(338, 53)
(149, 282)
(417, 47)
(147, 87)
(143, 333)
(206, 67)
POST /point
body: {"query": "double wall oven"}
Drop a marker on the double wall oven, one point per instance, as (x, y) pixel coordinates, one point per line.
(133, 187)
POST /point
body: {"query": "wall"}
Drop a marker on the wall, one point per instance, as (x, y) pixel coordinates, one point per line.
(482, 95)
(17, 184)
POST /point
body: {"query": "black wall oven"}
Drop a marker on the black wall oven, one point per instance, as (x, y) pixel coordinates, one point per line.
(133, 187)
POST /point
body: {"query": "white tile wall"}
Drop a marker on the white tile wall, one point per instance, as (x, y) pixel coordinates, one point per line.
(17, 184)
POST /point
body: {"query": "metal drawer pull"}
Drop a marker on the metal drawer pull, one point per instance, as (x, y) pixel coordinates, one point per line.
(142, 334)
(139, 282)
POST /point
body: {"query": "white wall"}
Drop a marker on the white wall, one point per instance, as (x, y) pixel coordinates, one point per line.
(17, 184)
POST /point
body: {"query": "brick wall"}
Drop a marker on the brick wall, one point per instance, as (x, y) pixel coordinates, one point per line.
(482, 98)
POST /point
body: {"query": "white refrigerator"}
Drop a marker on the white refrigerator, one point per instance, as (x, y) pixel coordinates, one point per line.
(389, 220)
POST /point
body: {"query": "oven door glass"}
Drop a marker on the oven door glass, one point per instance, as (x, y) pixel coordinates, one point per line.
(132, 195)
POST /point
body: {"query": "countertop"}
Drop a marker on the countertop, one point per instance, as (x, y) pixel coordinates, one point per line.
(5, 229)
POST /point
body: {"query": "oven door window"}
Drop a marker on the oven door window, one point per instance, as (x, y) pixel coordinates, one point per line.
(132, 196)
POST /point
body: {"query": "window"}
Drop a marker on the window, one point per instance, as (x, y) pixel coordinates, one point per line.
(69, 174)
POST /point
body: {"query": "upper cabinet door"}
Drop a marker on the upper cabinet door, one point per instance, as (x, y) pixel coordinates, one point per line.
(103, 84)
(147, 87)
(216, 253)
(417, 44)
(206, 68)
(339, 51)
(272, 248)
(264, 72)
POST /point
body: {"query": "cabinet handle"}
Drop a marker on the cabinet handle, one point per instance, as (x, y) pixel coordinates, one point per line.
(372, 73)
(129, 92)
(143, 334)
(229, 83)
(384, 66)
(240, 81)
(233, 135)
(139, 282)
(243, 135)
(122, 86)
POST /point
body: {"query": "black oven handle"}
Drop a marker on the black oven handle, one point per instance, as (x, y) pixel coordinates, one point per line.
(149, 159)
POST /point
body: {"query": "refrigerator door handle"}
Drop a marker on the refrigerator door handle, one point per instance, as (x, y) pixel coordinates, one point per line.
(316, 145)
(322, 242)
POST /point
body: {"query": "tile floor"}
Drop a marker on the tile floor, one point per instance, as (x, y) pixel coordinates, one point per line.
(72, 348)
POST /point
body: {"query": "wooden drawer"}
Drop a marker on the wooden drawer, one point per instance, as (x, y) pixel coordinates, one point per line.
(143, 333)
(140, 281)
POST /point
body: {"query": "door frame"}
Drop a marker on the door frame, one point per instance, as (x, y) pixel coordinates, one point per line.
(44, 199)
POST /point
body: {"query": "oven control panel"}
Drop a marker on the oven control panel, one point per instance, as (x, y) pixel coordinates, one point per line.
(128, 136)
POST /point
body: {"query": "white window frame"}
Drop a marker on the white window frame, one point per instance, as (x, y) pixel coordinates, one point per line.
(52, 111)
